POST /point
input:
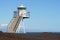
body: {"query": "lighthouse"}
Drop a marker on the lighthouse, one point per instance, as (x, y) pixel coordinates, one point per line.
(22, 11)
(15, 23)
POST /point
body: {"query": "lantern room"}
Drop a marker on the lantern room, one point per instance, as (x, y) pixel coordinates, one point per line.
(22, 11)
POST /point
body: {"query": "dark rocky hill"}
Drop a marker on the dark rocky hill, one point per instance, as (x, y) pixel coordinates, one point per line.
(27, 36)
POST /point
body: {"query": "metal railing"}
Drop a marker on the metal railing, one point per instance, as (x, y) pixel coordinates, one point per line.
(28, 14)
(15, 14)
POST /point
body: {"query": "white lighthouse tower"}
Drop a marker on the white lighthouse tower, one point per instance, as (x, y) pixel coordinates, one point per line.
(15, 24)
(22, 11)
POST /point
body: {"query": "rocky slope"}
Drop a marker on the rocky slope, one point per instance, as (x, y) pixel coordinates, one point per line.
(42, 36)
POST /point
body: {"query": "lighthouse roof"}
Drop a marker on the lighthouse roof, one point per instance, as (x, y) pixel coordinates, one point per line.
(21, 6)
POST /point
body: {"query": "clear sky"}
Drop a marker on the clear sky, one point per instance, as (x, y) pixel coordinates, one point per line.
(44, 14)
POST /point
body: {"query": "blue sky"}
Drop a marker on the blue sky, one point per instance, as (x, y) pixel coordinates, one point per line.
(44, 14)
